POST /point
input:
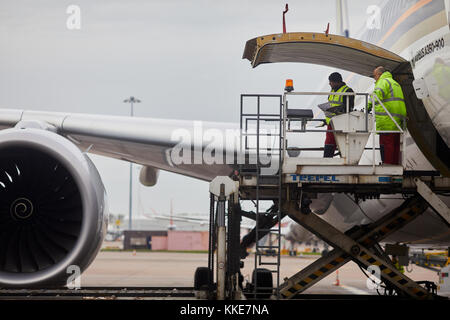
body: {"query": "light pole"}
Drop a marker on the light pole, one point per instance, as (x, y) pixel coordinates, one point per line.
(131, 100)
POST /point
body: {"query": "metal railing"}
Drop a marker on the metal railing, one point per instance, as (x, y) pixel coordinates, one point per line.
(373, 98)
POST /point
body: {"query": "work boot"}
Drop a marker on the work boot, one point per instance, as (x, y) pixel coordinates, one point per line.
(328, 151)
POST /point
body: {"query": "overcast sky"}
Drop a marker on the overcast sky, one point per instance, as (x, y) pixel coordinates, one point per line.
(183, 59)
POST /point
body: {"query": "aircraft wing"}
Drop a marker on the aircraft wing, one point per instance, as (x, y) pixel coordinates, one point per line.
(145, 141)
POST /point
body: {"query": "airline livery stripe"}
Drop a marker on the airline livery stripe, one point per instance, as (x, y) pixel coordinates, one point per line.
(402, 18)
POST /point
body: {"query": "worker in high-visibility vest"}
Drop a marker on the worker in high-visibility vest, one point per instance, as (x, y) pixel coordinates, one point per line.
(338, 105)
(441, 74)
(391, 96)
(397, 264)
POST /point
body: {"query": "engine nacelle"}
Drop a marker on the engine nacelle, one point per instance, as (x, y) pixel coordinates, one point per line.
(53, 209)
(298, 234)
(321, 204)
(148, 176)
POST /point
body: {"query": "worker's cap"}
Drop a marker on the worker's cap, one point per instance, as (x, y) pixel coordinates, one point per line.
(335, 77)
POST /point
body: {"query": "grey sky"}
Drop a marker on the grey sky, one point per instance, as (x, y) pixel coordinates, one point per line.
(183, 59)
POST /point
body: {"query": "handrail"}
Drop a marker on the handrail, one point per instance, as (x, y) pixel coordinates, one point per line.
(373, 97)
(392, 118)
(389, 114)
(285, 122)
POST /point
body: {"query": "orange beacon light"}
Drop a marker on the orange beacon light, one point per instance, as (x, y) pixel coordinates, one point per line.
(289, 85)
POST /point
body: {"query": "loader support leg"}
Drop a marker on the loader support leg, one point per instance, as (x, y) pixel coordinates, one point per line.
(355, 245)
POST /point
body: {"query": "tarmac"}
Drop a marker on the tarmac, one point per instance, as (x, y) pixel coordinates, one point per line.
(170, 269)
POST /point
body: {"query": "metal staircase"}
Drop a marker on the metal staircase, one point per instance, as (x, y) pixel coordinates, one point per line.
(257, 133)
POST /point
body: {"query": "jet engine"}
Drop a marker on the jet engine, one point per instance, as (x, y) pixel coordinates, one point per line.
(53, 210)
(299, 234)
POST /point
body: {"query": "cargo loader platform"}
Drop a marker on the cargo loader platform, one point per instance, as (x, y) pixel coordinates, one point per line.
(290, 180)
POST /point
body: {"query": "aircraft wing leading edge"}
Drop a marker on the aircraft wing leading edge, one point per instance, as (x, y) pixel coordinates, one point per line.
(145, 141)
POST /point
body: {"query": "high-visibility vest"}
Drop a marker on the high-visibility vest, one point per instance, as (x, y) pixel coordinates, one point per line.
(391, 95)
(441, 74)
(336, 103)
(399, 267)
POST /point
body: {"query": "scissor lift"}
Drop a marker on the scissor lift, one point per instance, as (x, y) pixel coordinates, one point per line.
(299, 178)
(358, 245)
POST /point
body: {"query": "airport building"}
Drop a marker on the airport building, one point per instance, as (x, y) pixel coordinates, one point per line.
(160, 234)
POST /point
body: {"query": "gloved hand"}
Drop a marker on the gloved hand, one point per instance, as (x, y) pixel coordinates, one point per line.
(322, 124)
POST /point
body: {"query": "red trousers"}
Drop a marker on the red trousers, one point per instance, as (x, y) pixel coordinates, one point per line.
(330, 144)
(330, 137)
(390, 148)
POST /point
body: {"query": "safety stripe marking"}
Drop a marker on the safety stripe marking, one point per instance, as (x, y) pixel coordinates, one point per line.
(408, 215)
(393, 225)
(392, 274)
(318, 273)
(292, 290)
(313, 276)
(397, 278)
(297, 287)
(325, 269)
(334, 263)
(400, 220)
(364, 255)
(391, 90)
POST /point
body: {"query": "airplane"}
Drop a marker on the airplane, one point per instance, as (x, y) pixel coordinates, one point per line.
(246, 224)
(397, 33)
(53, 205)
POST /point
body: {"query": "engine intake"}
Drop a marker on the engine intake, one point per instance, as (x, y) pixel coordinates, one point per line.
(52, 208)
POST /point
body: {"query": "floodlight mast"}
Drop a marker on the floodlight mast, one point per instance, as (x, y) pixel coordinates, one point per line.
(131, 100)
